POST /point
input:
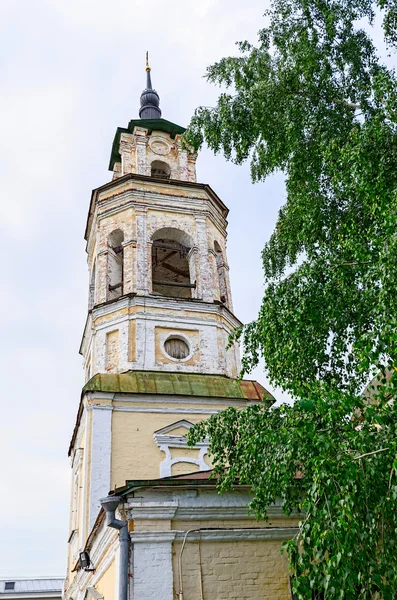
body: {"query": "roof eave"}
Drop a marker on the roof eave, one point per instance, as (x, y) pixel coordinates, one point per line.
(173, 182)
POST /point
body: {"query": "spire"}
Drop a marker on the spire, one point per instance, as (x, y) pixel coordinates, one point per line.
(150, 99)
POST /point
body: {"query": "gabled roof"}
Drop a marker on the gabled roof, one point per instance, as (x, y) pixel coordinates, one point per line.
(40, 586)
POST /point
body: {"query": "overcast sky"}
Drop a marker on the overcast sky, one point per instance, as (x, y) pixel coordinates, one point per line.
(71, 72)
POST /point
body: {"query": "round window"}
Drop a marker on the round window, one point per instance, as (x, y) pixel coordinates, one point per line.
(176, 348)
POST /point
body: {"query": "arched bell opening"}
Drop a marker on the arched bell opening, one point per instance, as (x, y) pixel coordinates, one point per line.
(171, 272)
(115, 264)
(160, 169)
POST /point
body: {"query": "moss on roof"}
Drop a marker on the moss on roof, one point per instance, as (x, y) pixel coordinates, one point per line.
(177, 384)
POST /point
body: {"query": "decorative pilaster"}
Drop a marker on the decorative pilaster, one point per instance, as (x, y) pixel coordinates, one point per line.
(126, 152)
(214, 272)
(182, 162)
(101, 441)
(228, 287)
(192, 258)
(149, 282)
(152, 550)
(152, 569)
(191, 167)
(204, 270)
(141, 152)
(102, 278)
(141, 252)
(129, 267)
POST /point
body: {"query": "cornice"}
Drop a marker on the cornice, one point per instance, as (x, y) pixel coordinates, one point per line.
(212, 535)
(152, 301)
(151, 510)
(143, 201)
(221, 513)
(160, 399)
(130, 300)
(121, 181)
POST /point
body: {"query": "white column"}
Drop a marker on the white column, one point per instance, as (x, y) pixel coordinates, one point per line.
(101, 443)
(152, 569)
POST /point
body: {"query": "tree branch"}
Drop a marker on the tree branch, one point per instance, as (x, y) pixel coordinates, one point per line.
(346, 103)
(371, 453)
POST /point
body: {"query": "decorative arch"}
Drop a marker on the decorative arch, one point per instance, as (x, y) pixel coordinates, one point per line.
(115, 264)
(160, 169)
(172, 272)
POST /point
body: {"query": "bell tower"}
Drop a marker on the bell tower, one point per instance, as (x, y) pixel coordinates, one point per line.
(160, 293)
(155, 343)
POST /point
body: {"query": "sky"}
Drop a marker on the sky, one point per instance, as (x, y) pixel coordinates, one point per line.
(71, 72)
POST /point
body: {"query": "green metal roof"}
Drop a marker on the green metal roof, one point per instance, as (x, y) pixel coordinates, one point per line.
(198, 478)
(151, 124)
(178, 384)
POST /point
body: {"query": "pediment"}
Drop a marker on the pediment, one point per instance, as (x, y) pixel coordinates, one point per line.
(179, 428)
(173, 435)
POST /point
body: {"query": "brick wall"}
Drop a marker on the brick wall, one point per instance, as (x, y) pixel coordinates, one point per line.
(232, 570)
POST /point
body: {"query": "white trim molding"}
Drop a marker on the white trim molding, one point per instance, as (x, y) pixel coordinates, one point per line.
(165, 441)
(209, 535)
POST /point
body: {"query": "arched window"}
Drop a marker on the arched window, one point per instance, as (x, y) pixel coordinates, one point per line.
(220, 267)
(170, 263)
(115, 264)
(160, 169)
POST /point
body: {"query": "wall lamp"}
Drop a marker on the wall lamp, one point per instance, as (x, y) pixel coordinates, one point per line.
(85, 561)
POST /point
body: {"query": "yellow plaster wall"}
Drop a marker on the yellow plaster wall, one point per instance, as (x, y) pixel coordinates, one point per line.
(184, 452)
(235, 570)
(182, 468)
(106, 584)
(135, 454)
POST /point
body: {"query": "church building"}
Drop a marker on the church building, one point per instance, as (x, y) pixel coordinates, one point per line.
(146, 519)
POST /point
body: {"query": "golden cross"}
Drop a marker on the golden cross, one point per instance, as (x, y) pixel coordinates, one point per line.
(147, 62)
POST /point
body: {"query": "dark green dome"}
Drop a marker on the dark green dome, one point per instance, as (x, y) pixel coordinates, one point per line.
(150, 101)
